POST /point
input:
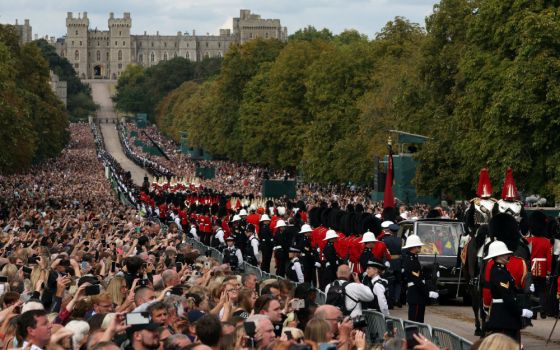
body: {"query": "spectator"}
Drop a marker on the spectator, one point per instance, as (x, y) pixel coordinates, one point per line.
(318, 330)
(264, 331)
(355, 292)
(176, 342)
(34, 328)
(209, 331)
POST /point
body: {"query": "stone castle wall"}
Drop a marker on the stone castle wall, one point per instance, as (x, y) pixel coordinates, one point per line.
(106, 54)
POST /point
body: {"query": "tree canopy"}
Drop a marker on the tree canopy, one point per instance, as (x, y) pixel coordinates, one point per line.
(480, 80)
(33, 121)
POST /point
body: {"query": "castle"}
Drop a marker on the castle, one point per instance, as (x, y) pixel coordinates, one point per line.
(99, 54)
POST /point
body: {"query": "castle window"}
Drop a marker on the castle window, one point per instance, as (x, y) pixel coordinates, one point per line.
(207, 44)
(120, 65)
(98, 55)
(250, 35)
(187, 44)
(266, 35)
(219, 44)
(98, 43)
(164, 44)
(165, 56)
(116, 43)
(120, 55)
(152, 44)
(140, 44)
(152, 57)
(72, 42)
(124, 43)
(107, 56)
(76, 32)
(76, 65)
(120, 33)
(77, 55)
(140, 58)
(187, 56)
(80, 43)
(174, 44)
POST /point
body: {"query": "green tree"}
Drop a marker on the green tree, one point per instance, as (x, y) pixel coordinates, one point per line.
(311, 33)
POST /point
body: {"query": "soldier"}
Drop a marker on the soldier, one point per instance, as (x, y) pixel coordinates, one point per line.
(541, 256)
(295, 272)
(394, 275)
(374, 250)
(232, 254)
(252, 247)
(505, 313)
(267, 242)
(280, 253)
(417, 294)
(330, 258)
(309, 256)
(378, 286)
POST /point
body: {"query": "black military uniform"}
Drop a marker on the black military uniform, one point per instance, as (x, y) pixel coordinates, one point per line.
(505, 313)
(331, 263)
(250, 255)
(266, 245)
(281, 248)
(417, 293)
(394, 275)
(366, 256)
(239, 233)
(309, 258)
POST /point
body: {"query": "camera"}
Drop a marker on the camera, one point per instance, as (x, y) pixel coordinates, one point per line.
(359, 322)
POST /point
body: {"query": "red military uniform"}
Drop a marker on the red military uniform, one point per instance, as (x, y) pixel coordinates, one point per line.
(516, 267)
(254, 218)
(541, 256)
(380, 251)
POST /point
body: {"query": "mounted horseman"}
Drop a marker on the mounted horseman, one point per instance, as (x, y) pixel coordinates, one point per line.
(477, 217)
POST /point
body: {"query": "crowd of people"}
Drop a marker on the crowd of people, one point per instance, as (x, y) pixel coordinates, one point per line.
(80, 270)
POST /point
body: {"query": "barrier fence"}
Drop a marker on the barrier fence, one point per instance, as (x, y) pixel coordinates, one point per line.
(376, 321)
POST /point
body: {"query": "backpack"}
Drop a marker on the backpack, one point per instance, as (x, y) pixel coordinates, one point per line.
(337, 297)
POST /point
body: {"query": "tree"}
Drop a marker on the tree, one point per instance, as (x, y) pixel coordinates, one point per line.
(310, 33)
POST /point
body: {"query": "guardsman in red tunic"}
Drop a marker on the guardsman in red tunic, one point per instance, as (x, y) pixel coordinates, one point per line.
(541, 256)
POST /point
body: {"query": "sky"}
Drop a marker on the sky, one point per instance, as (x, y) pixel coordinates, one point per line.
(47, 17)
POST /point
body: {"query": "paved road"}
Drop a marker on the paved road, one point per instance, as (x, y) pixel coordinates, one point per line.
(101, 93)
(460, 320)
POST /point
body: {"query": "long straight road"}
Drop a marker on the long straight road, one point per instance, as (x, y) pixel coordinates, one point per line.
(101, 93)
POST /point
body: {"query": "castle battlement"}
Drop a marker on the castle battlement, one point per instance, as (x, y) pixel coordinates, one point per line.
(106, 53)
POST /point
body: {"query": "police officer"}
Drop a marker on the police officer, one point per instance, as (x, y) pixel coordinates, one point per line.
(295, 272)
(506, 312)
(239, 232)
(280, 253)
(232, 254)
(266, 242)
(394, 275)
(378, 286)
(251, 252)
(417, 294)
(218, 240)
(330, 258)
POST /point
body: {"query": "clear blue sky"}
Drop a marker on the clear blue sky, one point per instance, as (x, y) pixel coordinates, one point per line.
(170, 16)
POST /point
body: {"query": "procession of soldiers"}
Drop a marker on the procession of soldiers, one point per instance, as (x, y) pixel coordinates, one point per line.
(505, 256)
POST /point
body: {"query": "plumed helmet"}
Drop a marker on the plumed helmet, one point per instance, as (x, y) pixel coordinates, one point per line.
(509, 191)
(538, 223)
(505, 228)
(484, 188)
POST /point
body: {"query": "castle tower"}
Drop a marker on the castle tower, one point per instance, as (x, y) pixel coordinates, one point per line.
(120, 48)
(77, 43)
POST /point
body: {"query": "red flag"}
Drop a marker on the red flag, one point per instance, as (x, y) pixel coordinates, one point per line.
(388, 197)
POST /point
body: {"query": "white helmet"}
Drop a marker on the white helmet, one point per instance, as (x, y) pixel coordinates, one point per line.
(243, 212)
(253, 207)
(281, 211)
(305, 228)
(386, 223)
(280, 223)
(368, 237)
(264, 217)
(330, 234)
(236, 218)
(413, 241)
(497, 248)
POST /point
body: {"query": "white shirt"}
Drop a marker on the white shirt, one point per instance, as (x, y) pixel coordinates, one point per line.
(255, 244)
(379, 291)
(193, 233)
(220, 236)
(33, 346)
(296, 266)
(356, 291)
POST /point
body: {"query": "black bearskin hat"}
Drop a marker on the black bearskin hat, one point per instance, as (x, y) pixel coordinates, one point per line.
(389, 214)
(315, 217)
(504, 228)
(537, 223)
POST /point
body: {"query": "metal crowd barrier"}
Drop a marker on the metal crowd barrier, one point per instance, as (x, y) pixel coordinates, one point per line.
(377, 326)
